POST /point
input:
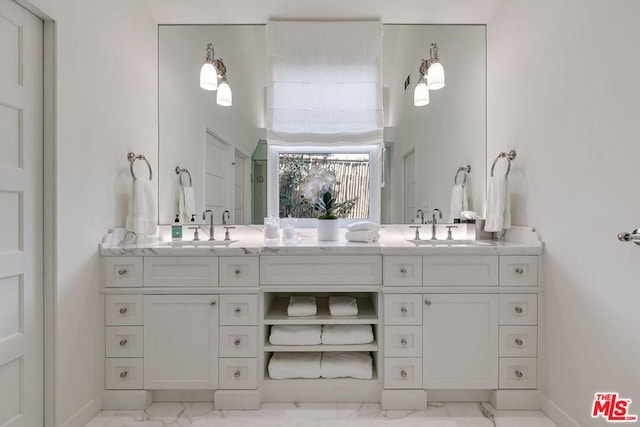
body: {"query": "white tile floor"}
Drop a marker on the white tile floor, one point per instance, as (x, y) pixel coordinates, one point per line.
(320, 415)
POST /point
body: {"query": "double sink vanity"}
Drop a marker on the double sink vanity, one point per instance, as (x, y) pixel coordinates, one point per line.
(452, 320)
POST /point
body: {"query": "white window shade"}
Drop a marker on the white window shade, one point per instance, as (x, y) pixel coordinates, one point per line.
(324, 83)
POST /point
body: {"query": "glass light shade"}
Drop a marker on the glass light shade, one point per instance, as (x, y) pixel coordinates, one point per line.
(421, 94)
(435, 76)
(208, 77)
(223, 97)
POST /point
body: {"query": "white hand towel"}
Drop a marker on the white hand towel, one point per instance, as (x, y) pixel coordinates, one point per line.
(459, 201)
(295, 365)
(186, 203)
(302, 306)
(363, 225)
(141, 218)
(498, 205)
(365, 236)
(343, 306)
(295, 335)
(339, 364)
(347, 334)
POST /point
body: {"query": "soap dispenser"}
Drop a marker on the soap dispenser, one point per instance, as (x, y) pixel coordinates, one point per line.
(176, 229)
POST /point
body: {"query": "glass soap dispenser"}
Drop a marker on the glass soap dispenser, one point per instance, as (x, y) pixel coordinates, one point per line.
(176, 229)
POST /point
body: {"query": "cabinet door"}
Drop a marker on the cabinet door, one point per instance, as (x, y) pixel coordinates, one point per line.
(181, 341)
(460, 343)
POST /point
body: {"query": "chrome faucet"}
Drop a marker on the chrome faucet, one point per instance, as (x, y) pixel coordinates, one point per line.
(420, 214)
(226, 216)
(204, 217)
(434, 222)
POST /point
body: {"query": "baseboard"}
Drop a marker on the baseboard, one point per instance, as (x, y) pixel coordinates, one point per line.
(126, 399)
(237, 399)
(521, 400)
(84, 415)
(459, 395)
(183, 395)
(556, 414)
(415, 400)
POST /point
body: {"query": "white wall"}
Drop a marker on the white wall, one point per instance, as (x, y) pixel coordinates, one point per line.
(563, 90)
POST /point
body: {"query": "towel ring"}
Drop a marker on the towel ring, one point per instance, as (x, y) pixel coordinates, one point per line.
(132, 157)
(511, 155)
(180, 172)
(466, 170)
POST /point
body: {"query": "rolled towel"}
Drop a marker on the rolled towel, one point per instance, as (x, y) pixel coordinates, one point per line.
(347, 334)
(343, 306)
(365, 236)
(141, 218)
(302, 306)
(295, 365)
(295, 335)
(363, 225)
(339, 364)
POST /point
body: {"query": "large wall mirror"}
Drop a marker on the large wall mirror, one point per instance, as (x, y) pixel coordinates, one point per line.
(223, 147)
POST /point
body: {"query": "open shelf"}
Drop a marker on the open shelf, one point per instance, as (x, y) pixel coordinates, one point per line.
(373, 346)
(277, 314)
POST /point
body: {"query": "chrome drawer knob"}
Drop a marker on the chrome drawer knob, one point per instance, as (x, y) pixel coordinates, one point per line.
(123, 374)
(237, 310)
(236, 374)
(519, 270)
(122, 271)
(427, 301)
(403, 309)
(403, 341)
(519, 341)
(403, 373)
(519, 374)
(403, 271)
(237, 342)
(213, 303)
(123, 310)
(237, 272)
(123, 342)
(518, 309)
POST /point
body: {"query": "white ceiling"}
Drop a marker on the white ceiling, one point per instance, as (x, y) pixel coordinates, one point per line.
(260, 11)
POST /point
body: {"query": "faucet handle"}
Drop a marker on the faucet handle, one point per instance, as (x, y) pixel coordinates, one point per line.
(417, 227)
(226, 232)
(195, 233)
(449, 227)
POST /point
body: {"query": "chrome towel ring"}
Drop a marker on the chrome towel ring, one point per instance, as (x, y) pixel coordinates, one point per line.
(511, 155)
(180, 171)
(466, 170)
(132, 157)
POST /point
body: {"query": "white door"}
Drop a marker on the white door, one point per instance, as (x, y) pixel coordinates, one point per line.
(460, 343)
(219, 157)
(21, 257)
(180, 342)
(239, 195)
(410, 186)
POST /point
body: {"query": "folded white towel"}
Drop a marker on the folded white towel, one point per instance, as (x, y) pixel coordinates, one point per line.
(354, 364)
(365, 236)
(347, 334)
(343, 306)
(302, 306)
(498, 204)
(363, 225)
(186, 203)
(295, 365)
(295, 335)
(141, 218)
(459, 202)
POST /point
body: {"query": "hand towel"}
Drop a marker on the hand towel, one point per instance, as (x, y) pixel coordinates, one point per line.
(339, 364)
(343, 306)
(141, 218)
(365, 236)
(294, 365)
(363, 225)
(302, 306)
(347, 334)
(459, 201)
(498, 205)
(295, 335)
(186, 203)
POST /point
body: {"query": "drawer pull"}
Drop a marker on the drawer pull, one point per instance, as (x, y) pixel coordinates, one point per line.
(403, 309)
(123, 374)
(237, 310)
(237, 271)
(519, 374)
(123, 342)
(427, 301)
(123, 310)
(213, 303)
(237, 342)
(236, 374)
(403, 271)
(122, 271)
(519, 270)
(518, 309)
(403, 373)
(403, 341)
(519, 341)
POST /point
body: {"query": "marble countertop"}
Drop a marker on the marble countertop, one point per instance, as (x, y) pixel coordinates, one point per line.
(394, 240)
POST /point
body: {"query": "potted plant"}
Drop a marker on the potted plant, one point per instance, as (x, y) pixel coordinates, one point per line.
(317, 190)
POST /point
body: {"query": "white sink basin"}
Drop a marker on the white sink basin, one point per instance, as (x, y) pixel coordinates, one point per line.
(201, 243)
(428, 242)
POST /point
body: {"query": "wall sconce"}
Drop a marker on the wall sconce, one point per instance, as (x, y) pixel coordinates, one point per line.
(431, 77)
(212, 70)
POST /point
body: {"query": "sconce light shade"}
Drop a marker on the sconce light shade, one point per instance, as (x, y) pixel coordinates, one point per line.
(435, 76)
(223, 97)
(421, 94)
(208, 77)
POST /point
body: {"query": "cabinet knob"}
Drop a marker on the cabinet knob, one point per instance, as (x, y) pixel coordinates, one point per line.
(427, 301)
(122, 271)
(237, 342)
(236, 374)
(403, 341)
(237, 271)
(123, 342)
(519, 341)
(403, 309)
(123, 310)
(403, 373)
(518, 374)
(237, 310)
(403, 271)
(519, 270)
(518, 309)
(124, 374)
(213, 303)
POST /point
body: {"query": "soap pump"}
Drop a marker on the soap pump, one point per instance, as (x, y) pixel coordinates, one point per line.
(176, 229)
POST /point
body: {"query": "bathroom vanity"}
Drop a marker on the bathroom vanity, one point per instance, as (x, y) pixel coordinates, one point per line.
(450, 321)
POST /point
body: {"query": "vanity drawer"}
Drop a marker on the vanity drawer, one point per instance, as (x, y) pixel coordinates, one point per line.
(321, 270)
(123, 374)
(402, 373)
(122, 272)
(402, 270)
(403, 341)
(402, 309)
(518, 309)
(238, 373)
(181, 271)
(518, 271)
(239, 271)
(518, 341)
(518, 372)
(124, 341)
(462, 270)
(238, 341)
(238, 309)
(124, 310)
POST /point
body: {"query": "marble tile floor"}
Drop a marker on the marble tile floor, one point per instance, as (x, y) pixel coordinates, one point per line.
(200, 414)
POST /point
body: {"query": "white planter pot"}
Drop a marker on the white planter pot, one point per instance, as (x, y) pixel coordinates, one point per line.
(328, 229)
